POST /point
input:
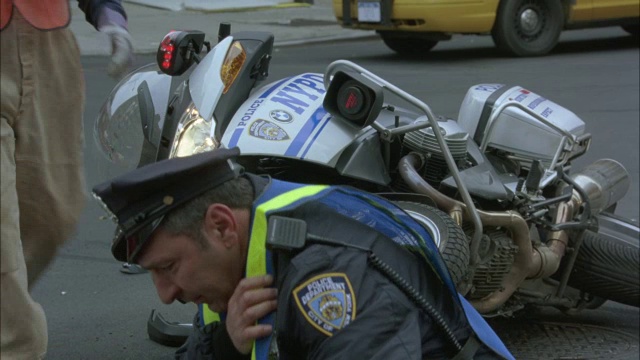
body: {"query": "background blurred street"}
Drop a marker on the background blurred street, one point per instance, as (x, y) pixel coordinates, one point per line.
(96, 312)
(291, 23)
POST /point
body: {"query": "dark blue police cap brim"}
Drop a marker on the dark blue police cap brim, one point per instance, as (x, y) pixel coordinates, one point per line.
(137, 200)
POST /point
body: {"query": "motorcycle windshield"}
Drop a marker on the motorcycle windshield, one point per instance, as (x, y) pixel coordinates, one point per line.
(128, 127)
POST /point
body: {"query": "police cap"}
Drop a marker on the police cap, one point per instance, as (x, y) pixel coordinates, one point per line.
(137, 201)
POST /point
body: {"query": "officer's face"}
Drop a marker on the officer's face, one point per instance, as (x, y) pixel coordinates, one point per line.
(200, 271)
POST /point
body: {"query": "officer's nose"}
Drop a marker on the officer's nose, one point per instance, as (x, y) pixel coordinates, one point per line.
(167, 290)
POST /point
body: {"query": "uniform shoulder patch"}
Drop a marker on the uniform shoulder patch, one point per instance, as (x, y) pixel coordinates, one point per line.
(327, 302)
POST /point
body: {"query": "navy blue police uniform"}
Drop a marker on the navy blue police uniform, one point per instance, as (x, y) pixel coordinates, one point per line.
(359, 279)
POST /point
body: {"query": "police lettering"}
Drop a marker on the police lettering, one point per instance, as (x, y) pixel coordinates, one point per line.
(252, 109)
(300, 92)
(320, 286)
(521, 97)
(489, 87)
(536, 102)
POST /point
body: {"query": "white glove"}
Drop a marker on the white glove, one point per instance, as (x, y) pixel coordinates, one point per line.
(121, 50)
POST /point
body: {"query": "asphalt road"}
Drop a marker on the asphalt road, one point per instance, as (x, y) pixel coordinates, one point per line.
(96, 312)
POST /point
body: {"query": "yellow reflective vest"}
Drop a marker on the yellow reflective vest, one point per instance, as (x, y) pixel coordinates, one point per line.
(276, 196)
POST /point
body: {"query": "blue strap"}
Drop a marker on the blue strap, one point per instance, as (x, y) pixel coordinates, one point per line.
(393, 222)
(483, 331)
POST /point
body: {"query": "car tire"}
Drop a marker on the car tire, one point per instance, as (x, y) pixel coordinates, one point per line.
(405, 44)
(528, 27)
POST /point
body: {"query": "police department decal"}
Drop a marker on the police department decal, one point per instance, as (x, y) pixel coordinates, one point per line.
(266, 130)
(327, 302)
(281, 116)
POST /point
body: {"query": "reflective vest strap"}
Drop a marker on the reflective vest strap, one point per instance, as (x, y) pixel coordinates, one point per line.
(207, 316)
(428, 248)
(256, 264)
(483, 331)
(278, 195)
(273, 199)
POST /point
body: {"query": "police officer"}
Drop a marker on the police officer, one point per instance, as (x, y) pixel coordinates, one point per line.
(291, 270)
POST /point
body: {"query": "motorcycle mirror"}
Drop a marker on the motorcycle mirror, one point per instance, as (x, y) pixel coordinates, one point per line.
(354, 98)
(178, 50)
(224, 30)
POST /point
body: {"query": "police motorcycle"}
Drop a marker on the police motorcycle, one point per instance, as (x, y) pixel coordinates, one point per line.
(516, 225)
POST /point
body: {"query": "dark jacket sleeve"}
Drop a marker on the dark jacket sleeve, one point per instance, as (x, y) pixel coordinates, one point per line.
(210, 342)
(383, 323)
(92, 9)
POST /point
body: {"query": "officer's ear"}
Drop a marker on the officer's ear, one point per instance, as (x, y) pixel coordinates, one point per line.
(220, 224)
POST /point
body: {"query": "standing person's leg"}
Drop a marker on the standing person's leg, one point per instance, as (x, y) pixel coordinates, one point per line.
(42, 177)
(49, 145)
(23, 332)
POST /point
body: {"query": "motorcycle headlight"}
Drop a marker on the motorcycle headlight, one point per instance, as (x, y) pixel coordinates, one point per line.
(194, 134)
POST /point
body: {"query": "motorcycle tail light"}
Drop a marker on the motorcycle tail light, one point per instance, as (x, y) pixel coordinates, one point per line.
(232, 65)
(177, 51)
(354, 98)
(168, 49)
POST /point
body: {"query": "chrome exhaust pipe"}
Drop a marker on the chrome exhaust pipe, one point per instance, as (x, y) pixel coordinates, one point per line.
(605, 182)
(523, 265)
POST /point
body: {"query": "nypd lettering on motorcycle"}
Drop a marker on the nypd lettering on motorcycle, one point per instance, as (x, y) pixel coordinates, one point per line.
(289, 115)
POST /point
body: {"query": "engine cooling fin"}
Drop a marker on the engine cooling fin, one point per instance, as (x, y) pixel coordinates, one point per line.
(496, 252)
(424, 141)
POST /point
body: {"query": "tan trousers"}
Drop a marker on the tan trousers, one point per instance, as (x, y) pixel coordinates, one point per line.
(41, 171)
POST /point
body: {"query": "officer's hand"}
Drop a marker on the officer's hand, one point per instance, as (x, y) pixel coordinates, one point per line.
(121, 50)
(251, 300)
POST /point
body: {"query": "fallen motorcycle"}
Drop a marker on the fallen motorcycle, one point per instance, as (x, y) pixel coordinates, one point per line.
(516, 225)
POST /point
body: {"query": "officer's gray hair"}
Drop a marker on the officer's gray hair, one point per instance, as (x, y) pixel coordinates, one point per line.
(188, 218)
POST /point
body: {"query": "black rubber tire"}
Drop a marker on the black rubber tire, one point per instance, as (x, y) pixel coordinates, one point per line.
(608, 269)
(453, 246)
(512, 38)
(406, 44)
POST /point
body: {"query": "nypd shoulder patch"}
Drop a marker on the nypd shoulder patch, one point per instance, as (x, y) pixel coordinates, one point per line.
(327, 302)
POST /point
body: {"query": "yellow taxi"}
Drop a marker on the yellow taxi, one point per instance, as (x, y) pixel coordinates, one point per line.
(518, 27)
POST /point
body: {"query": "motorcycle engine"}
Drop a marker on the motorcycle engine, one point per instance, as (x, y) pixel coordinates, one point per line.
(424, 142)
(497, 249)
(496, 252)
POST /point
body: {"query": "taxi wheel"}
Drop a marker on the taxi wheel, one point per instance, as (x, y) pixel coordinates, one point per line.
(528, 27)
(407, 45)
